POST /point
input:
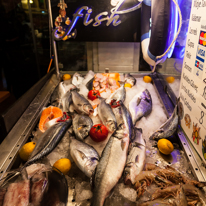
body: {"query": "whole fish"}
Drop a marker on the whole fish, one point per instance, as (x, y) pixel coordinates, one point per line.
(123, 118)
(59, 92)
(48, 141)
(119, 94)
(111, 165)
(128, 78)
(77, 79)
(82, 125)
(168, 128)
(140, 106)
(106, 115)
(84, 155)
(81, 104)
(136, 157)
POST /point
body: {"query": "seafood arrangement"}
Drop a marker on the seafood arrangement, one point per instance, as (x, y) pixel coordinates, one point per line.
(124, 167)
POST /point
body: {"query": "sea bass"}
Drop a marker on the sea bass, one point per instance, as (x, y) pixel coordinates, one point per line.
(140, 106)
(111, 165)
(106, 115)
(82, 125)
(168, 128)
(48, 141)
(136, 157)
(81, 104)
(123, 118)
(84, 155)
(128, 78)
(119, 94)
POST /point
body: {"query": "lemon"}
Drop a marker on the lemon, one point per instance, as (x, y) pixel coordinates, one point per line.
(128, 85)
(165, 146)
(170, 79)
(66, 77)
(147, 79)
(63, 165)
(26, 150)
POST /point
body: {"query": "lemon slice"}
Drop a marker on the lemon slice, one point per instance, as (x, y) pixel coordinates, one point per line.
(165, 146)
(63, 165)
(26, 150)
(147, 79)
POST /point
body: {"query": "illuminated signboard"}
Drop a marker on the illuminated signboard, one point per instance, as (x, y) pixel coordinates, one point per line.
(101, 20)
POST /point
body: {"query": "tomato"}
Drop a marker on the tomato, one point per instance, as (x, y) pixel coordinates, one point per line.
(98, 133)
(93, 94)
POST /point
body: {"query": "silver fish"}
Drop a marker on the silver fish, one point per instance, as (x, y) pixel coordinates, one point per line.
(136, 158)
(140, 106)
(84, 155)
(106, 115)
(81, 104)
(82, 125)
(128, 78)
(111, 166)
(59, 92)
(123, 118)
(77, 79)
(168, 128)
(48, 141)
(119, 94)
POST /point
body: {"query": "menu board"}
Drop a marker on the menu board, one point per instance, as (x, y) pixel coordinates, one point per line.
(193, 80)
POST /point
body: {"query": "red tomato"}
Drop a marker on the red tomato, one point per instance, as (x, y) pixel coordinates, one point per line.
(93, 94)
(98, 132)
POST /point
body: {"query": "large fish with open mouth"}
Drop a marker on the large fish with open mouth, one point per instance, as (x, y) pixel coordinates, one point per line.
(106, 115)
(84, 155)
(136, 157)
(111, 165)
(168, 128)
(128, 78)
(82, 125)
(81, 104)
(140, 106)
(119, 94)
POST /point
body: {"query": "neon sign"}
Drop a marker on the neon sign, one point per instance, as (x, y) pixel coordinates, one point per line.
(110, 19)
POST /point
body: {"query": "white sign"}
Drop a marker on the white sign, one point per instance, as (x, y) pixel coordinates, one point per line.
(193, 80)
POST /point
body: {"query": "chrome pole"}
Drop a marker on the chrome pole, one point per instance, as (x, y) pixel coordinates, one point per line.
(53, 42)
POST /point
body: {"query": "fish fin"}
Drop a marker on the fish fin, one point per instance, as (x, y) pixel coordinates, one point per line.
(123, 144)
(137, 158)
(138, 129)
(89, 84)
(122, 83)
(136, 144)
(83, 156)
(92, 178)
(160, 130)
(138, 101)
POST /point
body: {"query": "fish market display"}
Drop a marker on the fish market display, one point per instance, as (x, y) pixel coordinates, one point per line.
(140, 105)
(136, 158)
(106, 115)
(85, 156)
(121, 163)
(128, 78)
(168, 128)
(82, 125)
